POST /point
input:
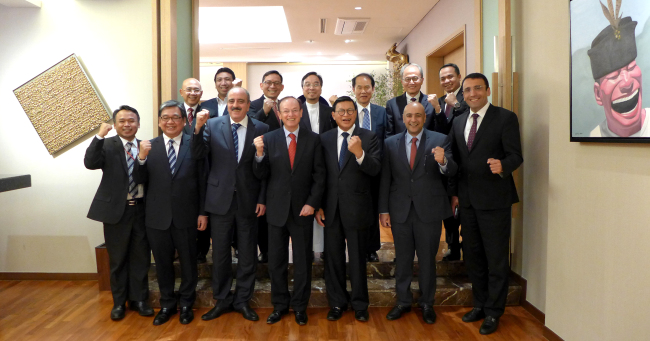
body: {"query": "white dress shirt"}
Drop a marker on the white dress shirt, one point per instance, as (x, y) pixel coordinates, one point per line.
(241, 135)
(221, 106)
(408, 98)
(479, 119)
(339, 143)
(360, 114)
(313, 110)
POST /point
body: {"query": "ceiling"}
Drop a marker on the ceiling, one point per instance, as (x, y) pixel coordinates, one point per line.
(390, 22)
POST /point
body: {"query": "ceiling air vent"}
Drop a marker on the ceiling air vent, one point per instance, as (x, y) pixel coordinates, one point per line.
(323, 23)
(351, 25)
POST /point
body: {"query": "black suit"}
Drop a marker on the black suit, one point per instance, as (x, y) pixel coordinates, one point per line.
(257, 107)
(395, 109)
(417, 203)
(349, 213)
(124, 230)
(233, 193)
(172, 206)
(486, 202)
(325, 119)
(212, 105)
(287, 192)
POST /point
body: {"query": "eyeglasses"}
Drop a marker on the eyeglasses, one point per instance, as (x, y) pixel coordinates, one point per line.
(192, 90)
(174, 118)
(310, 85)
(269, 83)
(413, 79)
(350, 112)
(476, 88)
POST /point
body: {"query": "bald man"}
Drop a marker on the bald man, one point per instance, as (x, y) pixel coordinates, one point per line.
(191, 91)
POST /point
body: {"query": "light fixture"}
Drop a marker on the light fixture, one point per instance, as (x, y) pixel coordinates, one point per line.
(357, 8)
(348, 41)
(310, 41)
(250, 33)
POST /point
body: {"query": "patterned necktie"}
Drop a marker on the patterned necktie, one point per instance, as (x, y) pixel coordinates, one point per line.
(344, 150)
(413, 99)
(448, 110)
(472, 132)
(366, 119)
(171, 155)
(235, 139)
(130, 161)
(414, 151)
(292, 149)
(190, 116)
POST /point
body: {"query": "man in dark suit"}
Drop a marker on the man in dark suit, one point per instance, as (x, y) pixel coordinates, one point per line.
(413, 199)
(118, 204)
(488, 150)
(452, 105)
(266, 107)
(234, 196)
(412, 79)
(223, 82)
(291, 161)
(352, 159)
(166, 166)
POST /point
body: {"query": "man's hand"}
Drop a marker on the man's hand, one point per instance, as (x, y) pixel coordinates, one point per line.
(384, 219)
(259, 145)
(260, 210)
(354, 146)
(203, 222)
(451, 99)
(237, 83)
(268, 105)
(439, 154)
(333, 99)
(104, 129)
(495, 166)
(201, 118)
(454, 204)
(306, 211)
(320, 216)
(433, 99)
(145, 147)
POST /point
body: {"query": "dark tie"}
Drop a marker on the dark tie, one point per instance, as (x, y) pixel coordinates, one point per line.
(366, 119)
(344, 150)
(277, 112)
(472, 132)
(235, 139)
(292, 149)
(171, 155)
(413, 99)
(130, 161)
(190, 116)
(448, 110)
(414, 150)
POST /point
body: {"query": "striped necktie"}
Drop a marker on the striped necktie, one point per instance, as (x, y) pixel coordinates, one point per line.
(235, 139)
(171, 155)
(130, 161)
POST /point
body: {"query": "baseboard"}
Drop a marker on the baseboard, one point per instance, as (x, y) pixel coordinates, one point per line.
(45, 276)
(550, 335)
(537, 314)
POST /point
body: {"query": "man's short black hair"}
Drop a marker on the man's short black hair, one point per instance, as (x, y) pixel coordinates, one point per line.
(354, 80)
(173, 103)
(313, 73)
(272, 72)
(452, 65)
(127, 108)
(224, 69)
(477, 75)
(343, 99)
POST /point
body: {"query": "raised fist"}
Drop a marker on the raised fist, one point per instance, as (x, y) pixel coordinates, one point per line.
(354, 146)
(104, 129)
(259, 145)
(268, 105)
(439, 155)
(201, 117)
(433, 99)
(145, 147)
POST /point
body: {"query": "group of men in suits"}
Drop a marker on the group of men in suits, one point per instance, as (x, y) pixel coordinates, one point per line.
(300, 165)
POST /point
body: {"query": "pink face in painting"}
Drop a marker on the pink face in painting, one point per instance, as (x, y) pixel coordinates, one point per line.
(619, 92)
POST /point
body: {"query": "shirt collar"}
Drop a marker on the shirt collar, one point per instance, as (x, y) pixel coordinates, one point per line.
(176, 139)
(124, 141)
(410, 137)
(361, 107)
(312, 106)
(481, 112)
(243, 122)
(341, 131)
(276, 99)
(457, 91)
(193, 108)
(221, 101)
(286, 132)
(408, 97)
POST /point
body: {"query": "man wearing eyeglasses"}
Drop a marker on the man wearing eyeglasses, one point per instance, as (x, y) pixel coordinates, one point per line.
(266, 107)
(412, 78)
(191, 92)
(488, 149)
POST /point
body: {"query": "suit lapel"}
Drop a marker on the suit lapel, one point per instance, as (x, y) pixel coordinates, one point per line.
(300, 148)
(324, 119)
(401, 103)
(374, 116)
(330, 144)
(401, 151)
(421, 150)
(348, 155)
(485, 124)
(460, 132)
(305, 120)
(284, 149)
(119, 146)
(227, 136)
(250, 136)
(182, 151)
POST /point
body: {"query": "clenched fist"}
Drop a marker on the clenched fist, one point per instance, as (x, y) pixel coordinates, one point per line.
(354, 146)
(237, 83)
(201, 118)
(433, 99)
(451, 99)
(259, 145)
(145, 147)
(268, 105)
(439, 155)
(104, 129)
(495, 166)
(333, 99)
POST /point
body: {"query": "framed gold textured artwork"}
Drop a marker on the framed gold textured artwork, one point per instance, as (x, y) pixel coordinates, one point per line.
(62, 104)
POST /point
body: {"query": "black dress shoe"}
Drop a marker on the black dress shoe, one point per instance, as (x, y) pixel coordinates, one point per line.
(489, 326)
(118, 312)
(428, 315)
(187, 315)
(335, 313)
(164, 315)
(301, 318)
(361, 315)
(264, 258)
(397, 312)
(142, 307)
(476, 314)
(372, 257)
(276, 316)
(248, 313)
(216, 312)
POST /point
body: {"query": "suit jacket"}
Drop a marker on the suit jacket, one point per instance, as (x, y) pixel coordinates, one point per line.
(189, 128)
(498, 138)
(454, 113)
(177, 198)
(109, 156)
(325, 120)
(395, 110)
(422, 186)
(379, 124)
(291, 188)
(227, 175)
(350, 188)
(212, 105)
(257, 108)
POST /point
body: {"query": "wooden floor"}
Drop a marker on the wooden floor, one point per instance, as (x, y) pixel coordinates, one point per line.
(76, 310)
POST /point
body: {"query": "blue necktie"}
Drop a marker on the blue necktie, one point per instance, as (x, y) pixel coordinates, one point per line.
(171, 155)
(235, 139)
(366, 119)
(344, 150)
(130, 161)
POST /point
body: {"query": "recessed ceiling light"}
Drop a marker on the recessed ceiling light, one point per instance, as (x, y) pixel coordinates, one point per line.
(348, 40)
(357, 8)
(319, 53)
(212, 31)
(310, 41)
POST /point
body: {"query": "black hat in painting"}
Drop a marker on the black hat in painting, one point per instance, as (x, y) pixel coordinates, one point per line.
(613, 48)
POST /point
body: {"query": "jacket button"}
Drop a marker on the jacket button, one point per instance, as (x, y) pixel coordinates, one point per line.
(411, 180)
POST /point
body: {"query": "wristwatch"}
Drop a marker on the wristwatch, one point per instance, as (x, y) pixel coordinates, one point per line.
(457, 105)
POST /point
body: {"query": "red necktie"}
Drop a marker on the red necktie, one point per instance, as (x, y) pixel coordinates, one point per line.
(447, 110)
(292, 149)
(414, 150)
(472, 132)
(190, 117)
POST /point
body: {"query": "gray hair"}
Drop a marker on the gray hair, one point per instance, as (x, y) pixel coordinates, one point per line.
(401, 72)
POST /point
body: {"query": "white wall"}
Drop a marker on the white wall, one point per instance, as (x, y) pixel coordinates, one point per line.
(44, 228)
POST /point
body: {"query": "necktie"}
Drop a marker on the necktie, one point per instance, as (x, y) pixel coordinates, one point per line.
(472, 132)
(130, 161)
(413, 99)
(171, 155)
(235, 139)
(414, 150)
(344, 150)
(277, 111)
(190, 116)
(292, 149)
(448, 110)
(366, 119)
